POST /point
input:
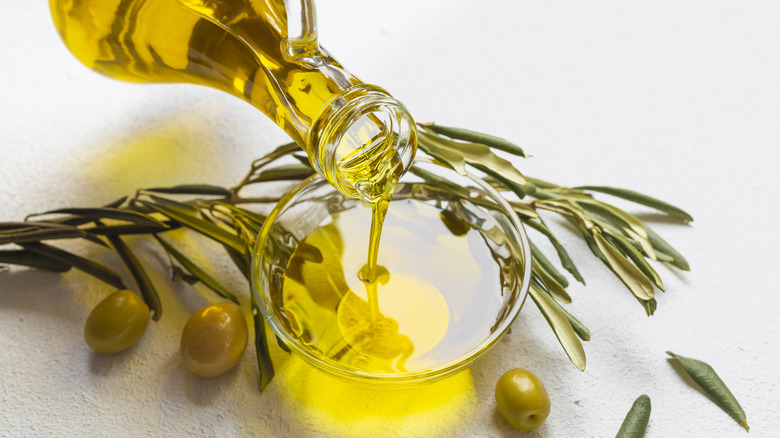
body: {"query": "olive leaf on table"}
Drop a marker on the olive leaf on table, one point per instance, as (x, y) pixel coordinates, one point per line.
(619, 239)
(711, 384)
(637, 418)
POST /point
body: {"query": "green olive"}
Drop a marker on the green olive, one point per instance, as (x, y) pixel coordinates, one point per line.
(522, 399)
(214, 339)
(117, 322)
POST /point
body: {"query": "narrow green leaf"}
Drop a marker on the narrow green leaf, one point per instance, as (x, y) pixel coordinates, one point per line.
(174, 205)
(206, 228)
(264, 364)
(457, 154)
(563, 255)
(107, 213)
(444, 155)
(555, 288)
(257, 218)
(561, 327)
(713, 386)
(274, 155)
(677, 259)
(579, 328)
(635, 424)
(641, 199)
(438, 181)
(631, 225)
(629, 274)
(663, 258)
(548, 266)
(628, 250)
(524, 209)
(477, 137)
(15, 226)
(122, 230)
(145, 285)
(191, 189)
(521, 190)
(34, 235)
(92, 268)
(289, 172)
(116, 203)
(199, 273)
(541, 184)
(240, 260)
(649, 305)
(282, 345)
(24, 257)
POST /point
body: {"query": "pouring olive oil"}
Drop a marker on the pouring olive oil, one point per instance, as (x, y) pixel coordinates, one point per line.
(383, 314)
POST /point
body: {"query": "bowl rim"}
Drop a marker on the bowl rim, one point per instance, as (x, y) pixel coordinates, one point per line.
(387, 379)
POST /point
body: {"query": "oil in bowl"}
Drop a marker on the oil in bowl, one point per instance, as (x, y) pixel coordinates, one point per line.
(453, 273)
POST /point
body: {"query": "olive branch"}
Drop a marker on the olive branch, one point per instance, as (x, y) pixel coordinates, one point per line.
(622, 241)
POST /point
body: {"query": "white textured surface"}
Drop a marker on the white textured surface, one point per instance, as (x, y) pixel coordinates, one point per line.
(676, 99)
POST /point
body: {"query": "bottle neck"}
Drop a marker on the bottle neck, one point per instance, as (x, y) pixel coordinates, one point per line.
(362, 142)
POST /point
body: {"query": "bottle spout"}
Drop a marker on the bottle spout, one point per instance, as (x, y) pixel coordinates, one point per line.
(301, 41)
(363, 141)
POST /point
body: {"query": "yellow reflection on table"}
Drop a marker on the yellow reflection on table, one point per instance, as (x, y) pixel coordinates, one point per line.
(340, 408)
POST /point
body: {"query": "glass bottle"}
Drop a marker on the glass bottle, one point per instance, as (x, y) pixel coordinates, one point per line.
(264, 51)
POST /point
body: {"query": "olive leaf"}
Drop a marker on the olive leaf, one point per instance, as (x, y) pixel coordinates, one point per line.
(579, 328)
(264, 363)
(197, 272)
(191, 189)
(563, 255)
(635, 423)
(476, 137)
(547, 265)
(25, 257)
(521, 190)
(628, 250)
(660, 244)
(206, 228)
(87, 214)
(629, 274)
(524, 209)
(556, 290)
(711, 384)
(631, 226)
(437, 181)
(145, 285)
(122, 230)
(88, 266)
(457, 155)
(288, 172)
(540, 184)
(560, 326)
(279, 152)
(36, 235)
(641, 199)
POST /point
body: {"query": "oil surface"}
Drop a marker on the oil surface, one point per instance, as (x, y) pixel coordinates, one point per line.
(434, 295)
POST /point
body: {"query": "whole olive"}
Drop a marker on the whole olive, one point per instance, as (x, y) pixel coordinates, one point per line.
(117, 322)
(522, 399)
(214, 339)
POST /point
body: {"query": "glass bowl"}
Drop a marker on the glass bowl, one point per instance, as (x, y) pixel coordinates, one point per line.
(468, 266)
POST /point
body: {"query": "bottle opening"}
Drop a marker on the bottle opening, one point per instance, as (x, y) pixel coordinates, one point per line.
(367, 142)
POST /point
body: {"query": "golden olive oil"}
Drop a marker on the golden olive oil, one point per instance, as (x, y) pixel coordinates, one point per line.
(235, 46)
(355, 134)
(433, 295)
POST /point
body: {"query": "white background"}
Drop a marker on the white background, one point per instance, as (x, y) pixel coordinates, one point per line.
(677, 99)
